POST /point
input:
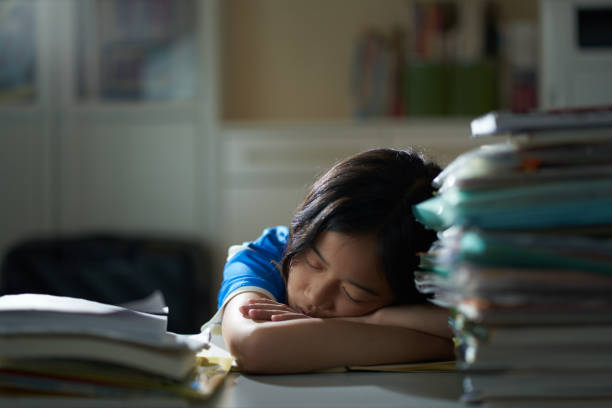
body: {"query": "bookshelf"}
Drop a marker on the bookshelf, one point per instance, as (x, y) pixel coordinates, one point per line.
(290, 60)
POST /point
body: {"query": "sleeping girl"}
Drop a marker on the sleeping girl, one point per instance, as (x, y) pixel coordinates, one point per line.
(337, 287)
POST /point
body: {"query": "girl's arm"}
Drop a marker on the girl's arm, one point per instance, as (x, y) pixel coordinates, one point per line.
(312, 344)
(426, 318)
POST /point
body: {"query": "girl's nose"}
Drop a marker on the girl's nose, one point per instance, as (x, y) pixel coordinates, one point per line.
(320, 293)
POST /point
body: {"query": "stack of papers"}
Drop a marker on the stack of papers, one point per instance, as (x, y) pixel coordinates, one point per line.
(57, 347)
(524, 257)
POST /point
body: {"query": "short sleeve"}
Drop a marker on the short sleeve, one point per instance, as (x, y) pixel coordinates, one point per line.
(257, 265)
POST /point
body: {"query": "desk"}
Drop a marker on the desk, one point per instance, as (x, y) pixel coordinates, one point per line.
(338, 390)
(364, 389)
(351, 389)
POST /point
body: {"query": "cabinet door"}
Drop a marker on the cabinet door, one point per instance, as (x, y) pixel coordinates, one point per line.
(25, 166)
(131, 130)
(18, 56)
(136, 51)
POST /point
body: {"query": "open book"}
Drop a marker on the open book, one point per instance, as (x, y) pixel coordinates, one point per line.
(425, 366)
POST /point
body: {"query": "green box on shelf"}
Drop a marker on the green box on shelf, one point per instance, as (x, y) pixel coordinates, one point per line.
(474, 88)
(460, 89)
(427, 85)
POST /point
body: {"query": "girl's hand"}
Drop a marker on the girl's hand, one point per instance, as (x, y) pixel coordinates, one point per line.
(266, 309)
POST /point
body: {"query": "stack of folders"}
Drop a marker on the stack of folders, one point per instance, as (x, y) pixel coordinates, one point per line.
(524, 257)
(68, 351)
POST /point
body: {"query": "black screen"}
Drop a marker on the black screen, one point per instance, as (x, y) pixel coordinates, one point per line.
(595, 27)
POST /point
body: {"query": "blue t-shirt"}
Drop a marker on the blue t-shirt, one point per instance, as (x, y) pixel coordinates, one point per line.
(257, 265)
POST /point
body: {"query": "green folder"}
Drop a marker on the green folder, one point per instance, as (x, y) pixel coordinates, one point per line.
(535, 251)
(552, 205)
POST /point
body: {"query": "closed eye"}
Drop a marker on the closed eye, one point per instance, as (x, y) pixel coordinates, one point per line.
(352, 299)
(313, 265)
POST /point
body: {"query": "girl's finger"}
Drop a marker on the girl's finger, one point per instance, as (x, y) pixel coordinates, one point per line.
(246, 308)
(261, 314)
(287, 316)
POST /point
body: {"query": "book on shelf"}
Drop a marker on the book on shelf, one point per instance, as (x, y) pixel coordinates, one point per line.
(545, 122)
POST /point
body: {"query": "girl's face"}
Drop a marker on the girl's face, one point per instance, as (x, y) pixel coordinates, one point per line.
(339, 276)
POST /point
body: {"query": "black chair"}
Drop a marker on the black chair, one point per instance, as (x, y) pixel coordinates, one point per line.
(115, 269)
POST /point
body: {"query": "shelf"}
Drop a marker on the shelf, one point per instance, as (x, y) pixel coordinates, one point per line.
(424, 131)
(424, 122)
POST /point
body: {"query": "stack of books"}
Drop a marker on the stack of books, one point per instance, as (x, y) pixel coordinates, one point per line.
(524, 256)
(60, 349)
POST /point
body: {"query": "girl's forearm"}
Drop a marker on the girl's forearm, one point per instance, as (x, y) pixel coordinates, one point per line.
(314, 344)
(422, 317)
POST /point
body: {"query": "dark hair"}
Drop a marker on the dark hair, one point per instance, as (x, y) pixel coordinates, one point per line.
(371, 192)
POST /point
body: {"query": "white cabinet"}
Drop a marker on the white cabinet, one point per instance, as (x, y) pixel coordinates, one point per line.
(267, 169)
(107, 118)
(576, 46)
